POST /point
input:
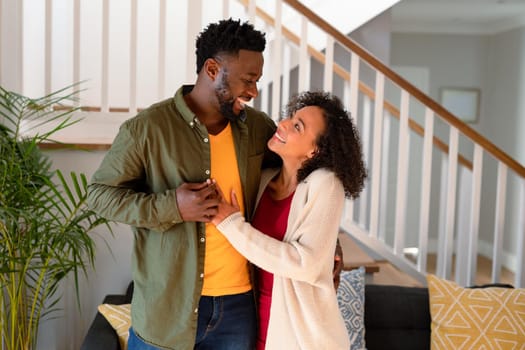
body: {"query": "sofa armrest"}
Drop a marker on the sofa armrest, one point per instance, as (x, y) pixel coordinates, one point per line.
(397, 316)
(101, 336)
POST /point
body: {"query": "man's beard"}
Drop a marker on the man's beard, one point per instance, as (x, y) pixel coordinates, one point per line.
(225, 99)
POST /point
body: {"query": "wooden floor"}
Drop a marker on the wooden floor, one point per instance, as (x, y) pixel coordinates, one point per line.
(484, 275)
(382, 272)
(389, 274)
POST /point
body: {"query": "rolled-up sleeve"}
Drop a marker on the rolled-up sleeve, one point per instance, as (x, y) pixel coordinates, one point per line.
(118, 190)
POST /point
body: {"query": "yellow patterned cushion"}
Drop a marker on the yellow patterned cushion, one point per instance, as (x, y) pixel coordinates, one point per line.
(481, 318)
(119, 316)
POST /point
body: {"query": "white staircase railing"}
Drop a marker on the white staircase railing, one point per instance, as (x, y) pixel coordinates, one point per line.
(435, 185)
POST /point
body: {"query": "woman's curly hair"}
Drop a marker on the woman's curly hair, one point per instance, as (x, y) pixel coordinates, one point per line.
(339, 147)
(227, 37)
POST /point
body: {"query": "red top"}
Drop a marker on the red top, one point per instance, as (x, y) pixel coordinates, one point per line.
(271, 218)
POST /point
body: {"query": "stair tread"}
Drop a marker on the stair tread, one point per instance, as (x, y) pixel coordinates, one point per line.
(354, 256)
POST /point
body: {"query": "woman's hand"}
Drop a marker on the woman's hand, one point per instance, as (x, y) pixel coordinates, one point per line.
(225, 209)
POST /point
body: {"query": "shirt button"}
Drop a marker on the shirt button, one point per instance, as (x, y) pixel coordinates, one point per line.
(202, 239)
(196, 310)
(192, 124)
(207, 172)
(205, 139)
(202, 275)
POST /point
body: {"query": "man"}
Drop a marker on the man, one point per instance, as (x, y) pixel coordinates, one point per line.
(191, 287)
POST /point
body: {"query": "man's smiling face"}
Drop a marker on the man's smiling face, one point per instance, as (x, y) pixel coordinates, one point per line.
(237, 81)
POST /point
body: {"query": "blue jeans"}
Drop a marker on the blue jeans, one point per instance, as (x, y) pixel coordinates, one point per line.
(225, 323)
(136, 343)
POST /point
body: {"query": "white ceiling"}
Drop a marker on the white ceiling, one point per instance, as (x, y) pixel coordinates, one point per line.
(458, 16)
(347, 15)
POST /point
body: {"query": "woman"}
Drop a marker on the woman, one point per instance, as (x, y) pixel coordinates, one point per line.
(294, 231)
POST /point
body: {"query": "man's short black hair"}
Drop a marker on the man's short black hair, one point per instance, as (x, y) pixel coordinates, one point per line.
(227, 36)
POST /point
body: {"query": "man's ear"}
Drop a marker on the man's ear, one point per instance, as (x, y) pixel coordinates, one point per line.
(211, 68)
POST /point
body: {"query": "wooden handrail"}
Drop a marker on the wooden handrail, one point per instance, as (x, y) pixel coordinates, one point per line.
(364, 88)
(75, 146)
(411, 89)
(94, 109)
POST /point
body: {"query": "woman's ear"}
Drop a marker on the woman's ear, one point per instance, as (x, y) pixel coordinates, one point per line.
(313, 153)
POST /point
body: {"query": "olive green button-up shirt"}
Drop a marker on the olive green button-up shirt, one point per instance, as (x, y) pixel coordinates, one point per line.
(152, 154)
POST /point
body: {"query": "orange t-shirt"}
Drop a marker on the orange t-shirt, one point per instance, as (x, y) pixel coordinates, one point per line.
(225, 270)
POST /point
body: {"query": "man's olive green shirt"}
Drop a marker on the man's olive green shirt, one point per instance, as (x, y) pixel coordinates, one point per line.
(154, 153)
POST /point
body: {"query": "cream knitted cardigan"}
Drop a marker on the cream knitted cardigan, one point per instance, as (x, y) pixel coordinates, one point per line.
(304, 313)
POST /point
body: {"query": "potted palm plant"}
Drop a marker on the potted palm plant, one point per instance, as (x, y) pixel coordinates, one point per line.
(44, 221)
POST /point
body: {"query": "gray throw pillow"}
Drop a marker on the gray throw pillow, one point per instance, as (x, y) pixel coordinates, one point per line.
(351, 299)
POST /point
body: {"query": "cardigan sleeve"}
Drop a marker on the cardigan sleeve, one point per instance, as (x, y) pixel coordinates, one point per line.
(307, 251)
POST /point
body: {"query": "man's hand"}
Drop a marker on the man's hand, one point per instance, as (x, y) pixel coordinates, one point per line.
(224, 208)
(197, 201)
(338, 264)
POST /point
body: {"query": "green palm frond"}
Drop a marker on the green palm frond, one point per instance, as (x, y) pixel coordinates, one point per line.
(45, 224)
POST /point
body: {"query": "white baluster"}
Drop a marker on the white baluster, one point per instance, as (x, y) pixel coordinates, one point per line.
(161, 88)
(464, 210)
(499, 222)
(225, 9)
(402, 175)
(385, 169)
(519, 278)
(287, 68)
(304, 58)
(252, 10)
(424, 205)
(376, 156)
(104, 81)
(440, 271)
(367, 119)
(353, 88)
(451, 202)
(277, 61)
(329, 64)
(194, 26)
(76, 45)
(48, 46)
(133, 58)
(477, 172)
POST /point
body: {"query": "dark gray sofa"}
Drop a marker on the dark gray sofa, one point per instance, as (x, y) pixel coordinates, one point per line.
(395, 318)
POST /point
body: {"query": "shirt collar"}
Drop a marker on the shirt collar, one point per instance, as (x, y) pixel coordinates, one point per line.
(182, 107)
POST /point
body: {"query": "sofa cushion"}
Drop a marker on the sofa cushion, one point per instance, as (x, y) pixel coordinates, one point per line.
(481, 318)
(350, 296)
(119, 317)
(397, 318)
(100, 335)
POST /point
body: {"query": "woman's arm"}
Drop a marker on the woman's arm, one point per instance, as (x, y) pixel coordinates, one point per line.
(307, 251)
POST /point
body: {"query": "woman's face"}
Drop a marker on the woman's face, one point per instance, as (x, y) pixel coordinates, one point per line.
(296, 136)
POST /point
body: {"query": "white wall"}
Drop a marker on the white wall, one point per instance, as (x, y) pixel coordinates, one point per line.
(505, 106)
(504, 91)
(452, 60)
(374, 36)
(110, 275)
